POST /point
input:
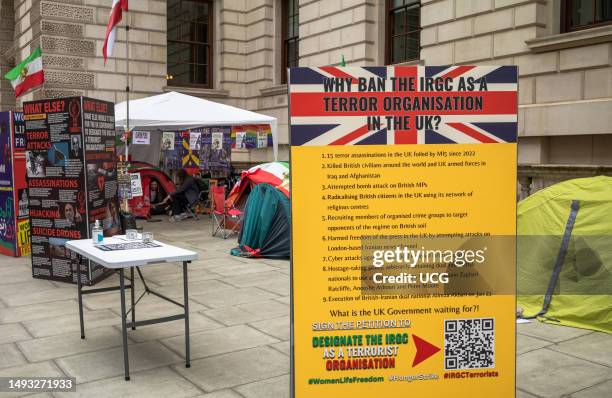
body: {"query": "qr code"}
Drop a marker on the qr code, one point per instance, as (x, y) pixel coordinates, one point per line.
(469, 343)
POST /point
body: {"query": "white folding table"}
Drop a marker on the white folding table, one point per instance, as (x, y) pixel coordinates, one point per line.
(133, 258)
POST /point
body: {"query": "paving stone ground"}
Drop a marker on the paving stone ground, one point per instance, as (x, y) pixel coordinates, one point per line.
(239, 316)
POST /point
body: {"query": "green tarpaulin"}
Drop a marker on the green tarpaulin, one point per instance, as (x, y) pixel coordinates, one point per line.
(564, 245)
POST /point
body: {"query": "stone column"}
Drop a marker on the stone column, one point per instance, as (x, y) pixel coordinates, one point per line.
(71, 35)
(7, 31)
(58, 27)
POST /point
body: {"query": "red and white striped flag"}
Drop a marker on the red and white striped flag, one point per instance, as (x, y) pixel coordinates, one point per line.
(111, 29)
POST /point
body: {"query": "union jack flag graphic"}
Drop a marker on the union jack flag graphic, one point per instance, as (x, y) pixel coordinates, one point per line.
(312, 123)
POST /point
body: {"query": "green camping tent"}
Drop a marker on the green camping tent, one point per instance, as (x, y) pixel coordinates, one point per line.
(564, 258)
(266, 225)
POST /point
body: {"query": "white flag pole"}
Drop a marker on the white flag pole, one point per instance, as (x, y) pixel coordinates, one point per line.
(126, 204)
(127, 77)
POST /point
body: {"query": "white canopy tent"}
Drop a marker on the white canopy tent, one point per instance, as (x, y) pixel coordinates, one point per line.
(176, 111)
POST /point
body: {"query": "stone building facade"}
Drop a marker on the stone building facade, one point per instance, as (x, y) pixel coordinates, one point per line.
(565, 74)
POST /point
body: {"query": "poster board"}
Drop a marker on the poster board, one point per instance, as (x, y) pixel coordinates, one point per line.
(250, 136)
(403, 231)
(195, 141)
(141, 137)
(168, 140)
(135, 185)
(72, 181)
(207, 149)
(14, 223)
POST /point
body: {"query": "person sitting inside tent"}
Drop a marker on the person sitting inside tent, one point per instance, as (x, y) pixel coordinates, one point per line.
(156, 193)
(185, 196)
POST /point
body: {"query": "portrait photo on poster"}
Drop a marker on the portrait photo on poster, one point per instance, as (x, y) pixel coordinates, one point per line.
(71, 217)
(23, 203)
(76, 146)
(168, 141)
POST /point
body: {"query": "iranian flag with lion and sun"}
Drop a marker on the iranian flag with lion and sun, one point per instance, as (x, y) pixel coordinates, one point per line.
(28, 74)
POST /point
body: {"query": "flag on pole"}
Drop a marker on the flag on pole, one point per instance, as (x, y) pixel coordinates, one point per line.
(125, 137)
(28, 74)
(111, 29)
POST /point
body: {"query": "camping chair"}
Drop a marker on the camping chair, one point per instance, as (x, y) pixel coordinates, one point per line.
(225, 220)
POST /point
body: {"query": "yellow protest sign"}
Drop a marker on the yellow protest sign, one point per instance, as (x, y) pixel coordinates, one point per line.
(23, 237)
(403, 231)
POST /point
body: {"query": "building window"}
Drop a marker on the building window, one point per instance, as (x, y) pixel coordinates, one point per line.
(584, 14)
(190, 31)
(403, 30)
(290, 36)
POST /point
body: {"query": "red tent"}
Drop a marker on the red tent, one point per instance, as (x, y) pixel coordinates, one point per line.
(140, 206)
(273, 173)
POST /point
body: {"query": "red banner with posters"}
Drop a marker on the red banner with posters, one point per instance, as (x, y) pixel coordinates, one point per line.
(14, 223)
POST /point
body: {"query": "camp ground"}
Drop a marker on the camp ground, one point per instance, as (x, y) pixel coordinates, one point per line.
(306, 198)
